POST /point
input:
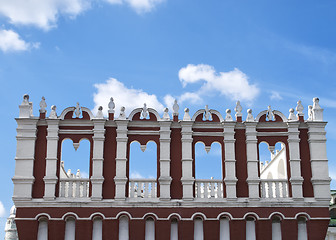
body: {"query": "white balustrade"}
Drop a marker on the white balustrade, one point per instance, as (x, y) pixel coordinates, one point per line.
(74, 188)
(142, 188)
(274, 188)
(208, 188)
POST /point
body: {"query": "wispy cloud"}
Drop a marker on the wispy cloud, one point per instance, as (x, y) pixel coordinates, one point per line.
(275, 96)
(140, 6)
(10, 41)
(2, 210)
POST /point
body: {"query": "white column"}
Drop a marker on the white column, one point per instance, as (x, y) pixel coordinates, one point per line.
(230, 161)
(97, 178)
(25, 150)
(121, 160)
(252, 160)
(187, 161)
(165, 178)
(296, 179)
(319, 161)
(50, 179)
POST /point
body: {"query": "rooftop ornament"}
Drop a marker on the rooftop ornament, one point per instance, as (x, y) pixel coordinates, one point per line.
(238, 109)
(100, 114)
(249, 117)
(144, 112)
(43, 105)
(122, 115)
(77, 110)
(299, 109)
(186, 116)
(292, 116)
(317, 110)
(310, 113)
(111, 106)
(270, 114)
(175, 108)
(228, 116)
(53, 114)
(166, 114)
(207, 114)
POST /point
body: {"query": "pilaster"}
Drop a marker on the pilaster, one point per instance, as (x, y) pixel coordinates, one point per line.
(165, 178)
(253, 179)
(230, 161)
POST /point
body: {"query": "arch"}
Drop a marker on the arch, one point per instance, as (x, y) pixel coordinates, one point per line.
(276, 214)
(174, 215)
(150, 215)
(198, 214)
(97, 214)
(215, 112)
(66, 111)
(302, 214)
(88, 111)
(262, 115)
(42, 215)
(225, 214)
(199, 112)
(215, 116)
(251, 214)
(138, 111)
(124, 213)
(69, 214)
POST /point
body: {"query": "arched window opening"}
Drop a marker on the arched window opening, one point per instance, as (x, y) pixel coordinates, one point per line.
(276, 228)
(150, 229)
(97, 229)
(123, 228)
(208, 170)
(224, 228)
(198, 229)
(143, 170)
(302, 228)
(70, 229)
(174, 229)
(273, 170)
(42, 232)
(250, 229)
(75, 168)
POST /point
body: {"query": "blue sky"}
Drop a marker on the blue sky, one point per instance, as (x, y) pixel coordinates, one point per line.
(200, 52)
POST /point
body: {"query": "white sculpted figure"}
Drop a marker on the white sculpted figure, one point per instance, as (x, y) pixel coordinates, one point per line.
(249, 117)
(144, 112)
(186, 116)
(207, 113)
(77, 111)
(299, 108)
(270, 114)
(175, 108)
(43, 105)
(100, 112)
(53, 113)
(310, 113)
(292, 116)
(238, 109)
(25, 99)
(111, 106)
(228, 116)
(166, 114)
(317, 110)
(122, 113)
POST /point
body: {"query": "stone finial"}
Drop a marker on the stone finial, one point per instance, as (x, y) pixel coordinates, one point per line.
(207, 113)
(270, 114)
(292, 116)
(53, 114)
(299, 109)
(122, 115)
(176, 108)
(100, 114)
(317, 110)
(249, 117)
(111, 106)
(186, 116)
(228, 116)
(25, 99)
(43, 105)
(77, 110)
(238, 109)
(78, 174)
(310, 113)
(144, 112)
(166, 114)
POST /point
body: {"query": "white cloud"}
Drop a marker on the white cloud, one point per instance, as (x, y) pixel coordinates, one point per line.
(43, 14)
(2, 210)
(233, 84)
(275, 96)
(135, 174)
(140, 6)
(10, 41)
(193, 98)
(130, 98)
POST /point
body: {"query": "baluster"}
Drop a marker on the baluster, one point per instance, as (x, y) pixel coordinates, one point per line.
(70, 192)
(269, 190)
(198, 191)
(212, 189)
(263, 188)
(131, 189)
(219, 190)
(284, 189)
(146, 190)
(277, 189)
(155, 189)
(62, 188)
(77, 184)
(85, 188)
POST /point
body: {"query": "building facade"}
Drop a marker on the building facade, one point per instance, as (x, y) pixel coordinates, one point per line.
(109, 204)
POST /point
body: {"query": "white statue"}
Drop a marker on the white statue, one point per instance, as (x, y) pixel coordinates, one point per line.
(228, 116)
(186, 116)
(249, 117)
(111, 106)
(144, 112)
(77, 111)
(317, 110)
(310, 113)
(100, 112)
(238, 109)
(166, 114)
(53, 113)
(175, 108)
(122, 115)
(43, 105)
(270, 114)
(78, 174)
(299, 108)
(207, 113)
(292, 116)
(25, 99)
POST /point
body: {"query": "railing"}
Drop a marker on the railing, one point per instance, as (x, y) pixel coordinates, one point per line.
(274, 188)
(208, 188)
(74, 187)
(142, 188)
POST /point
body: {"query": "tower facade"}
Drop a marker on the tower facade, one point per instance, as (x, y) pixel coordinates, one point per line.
(110, 204)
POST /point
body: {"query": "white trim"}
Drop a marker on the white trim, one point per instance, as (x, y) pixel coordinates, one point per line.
(65, 111)
(276, 112)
